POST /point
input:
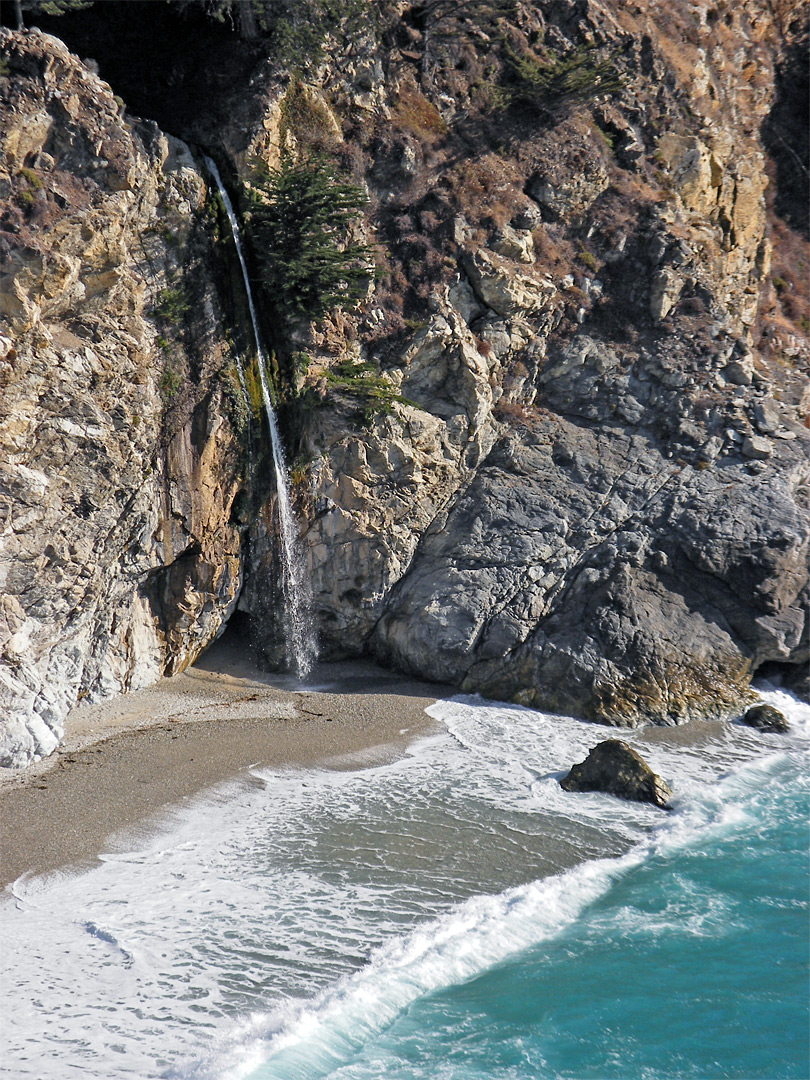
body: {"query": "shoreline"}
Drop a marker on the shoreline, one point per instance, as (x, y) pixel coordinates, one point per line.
(125, 762)
(417, 879)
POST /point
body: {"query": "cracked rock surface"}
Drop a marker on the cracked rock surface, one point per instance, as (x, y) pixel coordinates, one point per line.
(591, 492)
(118, 558)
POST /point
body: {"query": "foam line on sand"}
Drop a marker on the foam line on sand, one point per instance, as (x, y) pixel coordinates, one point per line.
(126, 760)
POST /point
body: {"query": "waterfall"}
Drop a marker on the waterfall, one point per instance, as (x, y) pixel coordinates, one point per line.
(299, 625)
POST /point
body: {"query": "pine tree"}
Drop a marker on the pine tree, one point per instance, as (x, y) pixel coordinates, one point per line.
(302, 218)
(555, 82)
(47, 7)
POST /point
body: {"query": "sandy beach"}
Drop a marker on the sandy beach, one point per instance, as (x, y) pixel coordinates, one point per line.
(126, 761)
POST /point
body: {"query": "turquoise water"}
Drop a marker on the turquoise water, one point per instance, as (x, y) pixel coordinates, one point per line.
(451, 914)
(693, 964)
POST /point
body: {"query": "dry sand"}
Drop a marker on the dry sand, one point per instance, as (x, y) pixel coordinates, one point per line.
(126, 760)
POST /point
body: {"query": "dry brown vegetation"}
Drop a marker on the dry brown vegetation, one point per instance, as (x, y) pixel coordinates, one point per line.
(476, 161)
(414, 115)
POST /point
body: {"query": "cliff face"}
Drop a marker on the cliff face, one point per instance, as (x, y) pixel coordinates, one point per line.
(118, 465)
(598, 502)
(593, 496)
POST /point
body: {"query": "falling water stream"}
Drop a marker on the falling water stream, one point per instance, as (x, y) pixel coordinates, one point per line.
(298, 622)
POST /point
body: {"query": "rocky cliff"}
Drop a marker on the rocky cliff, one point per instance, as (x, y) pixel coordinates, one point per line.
(598, 501)
(592, 495)
(120, 559)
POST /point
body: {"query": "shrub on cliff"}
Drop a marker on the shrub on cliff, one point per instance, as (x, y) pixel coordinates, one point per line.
(302, 218)
(46, 7)
(555, 82)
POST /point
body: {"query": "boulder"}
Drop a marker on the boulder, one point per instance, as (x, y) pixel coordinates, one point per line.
(615, 768)
(514, 244)
(756, 448)
(740, 372)
(766, 417)
(504, 288)
(766, 718)
(665, 292)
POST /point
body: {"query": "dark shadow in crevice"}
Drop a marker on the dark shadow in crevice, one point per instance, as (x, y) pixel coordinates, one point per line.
(786, 134)
(792, 677)
(169, 63)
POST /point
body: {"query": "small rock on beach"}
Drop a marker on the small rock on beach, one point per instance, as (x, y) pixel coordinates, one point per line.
(766, 718)
(616, 768)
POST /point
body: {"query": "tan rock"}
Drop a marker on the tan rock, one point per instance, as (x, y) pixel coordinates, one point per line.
(514, 244)
(505, 289)
(666, 289)
(120, 561)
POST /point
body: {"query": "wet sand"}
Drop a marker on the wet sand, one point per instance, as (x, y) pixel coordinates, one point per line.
(125, 762)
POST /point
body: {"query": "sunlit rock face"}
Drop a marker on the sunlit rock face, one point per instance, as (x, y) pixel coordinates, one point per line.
(118, 465)
(595, 500)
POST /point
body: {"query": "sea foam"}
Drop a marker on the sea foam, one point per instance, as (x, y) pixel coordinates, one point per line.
(316, 1040)
(277, 922)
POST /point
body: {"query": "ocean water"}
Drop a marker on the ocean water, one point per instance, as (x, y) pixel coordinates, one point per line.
(453, 914)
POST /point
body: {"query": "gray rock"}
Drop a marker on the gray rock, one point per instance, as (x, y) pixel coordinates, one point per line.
(766, 718)
(766, 417)
(469, 611)
(569, 196)
(711, 449)
(740, 372)
(756, 448)
(615, 768)
(630, 409)
(464, 300)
